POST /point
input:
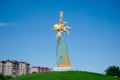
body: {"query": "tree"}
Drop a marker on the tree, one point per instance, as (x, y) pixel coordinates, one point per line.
(2, 77)
(113, 71)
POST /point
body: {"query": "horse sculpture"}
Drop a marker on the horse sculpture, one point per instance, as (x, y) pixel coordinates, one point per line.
(60, 28)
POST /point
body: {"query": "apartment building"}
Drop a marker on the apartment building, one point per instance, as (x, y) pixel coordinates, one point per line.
(14, 68)
(23, 68)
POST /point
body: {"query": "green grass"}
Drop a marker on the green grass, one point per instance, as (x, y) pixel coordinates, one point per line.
(68, 75)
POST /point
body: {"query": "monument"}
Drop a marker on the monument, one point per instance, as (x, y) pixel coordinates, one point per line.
(63, 62)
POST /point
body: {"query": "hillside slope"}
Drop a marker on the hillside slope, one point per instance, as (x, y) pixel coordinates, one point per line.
(68, 75)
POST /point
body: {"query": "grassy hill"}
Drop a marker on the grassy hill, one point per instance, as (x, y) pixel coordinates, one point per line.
(68, 75)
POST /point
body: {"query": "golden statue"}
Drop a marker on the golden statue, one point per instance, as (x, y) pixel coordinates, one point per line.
(60, 27)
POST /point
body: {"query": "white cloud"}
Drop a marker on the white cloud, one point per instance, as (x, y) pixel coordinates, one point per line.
(3, 24)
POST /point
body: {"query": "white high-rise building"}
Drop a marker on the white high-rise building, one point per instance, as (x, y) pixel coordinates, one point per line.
(23, 68)
(14, 68)
(1, 67)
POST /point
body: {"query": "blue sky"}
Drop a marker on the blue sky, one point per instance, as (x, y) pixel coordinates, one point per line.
(93, 44)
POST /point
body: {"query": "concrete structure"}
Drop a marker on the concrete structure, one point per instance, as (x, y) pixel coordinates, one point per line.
(62, 69)
(36, 69)
(14, 68)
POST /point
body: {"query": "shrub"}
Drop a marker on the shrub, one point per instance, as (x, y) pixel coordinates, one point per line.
(8, 77)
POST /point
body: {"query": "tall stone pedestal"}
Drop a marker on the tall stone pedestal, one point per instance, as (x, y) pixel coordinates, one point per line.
(62, 53)
(63, 62)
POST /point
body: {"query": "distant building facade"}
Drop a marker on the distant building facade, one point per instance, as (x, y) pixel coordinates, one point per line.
(36, 69)
(23, 68)
(14, 68)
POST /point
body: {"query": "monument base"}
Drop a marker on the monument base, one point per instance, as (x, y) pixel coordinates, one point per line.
(62, 69)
